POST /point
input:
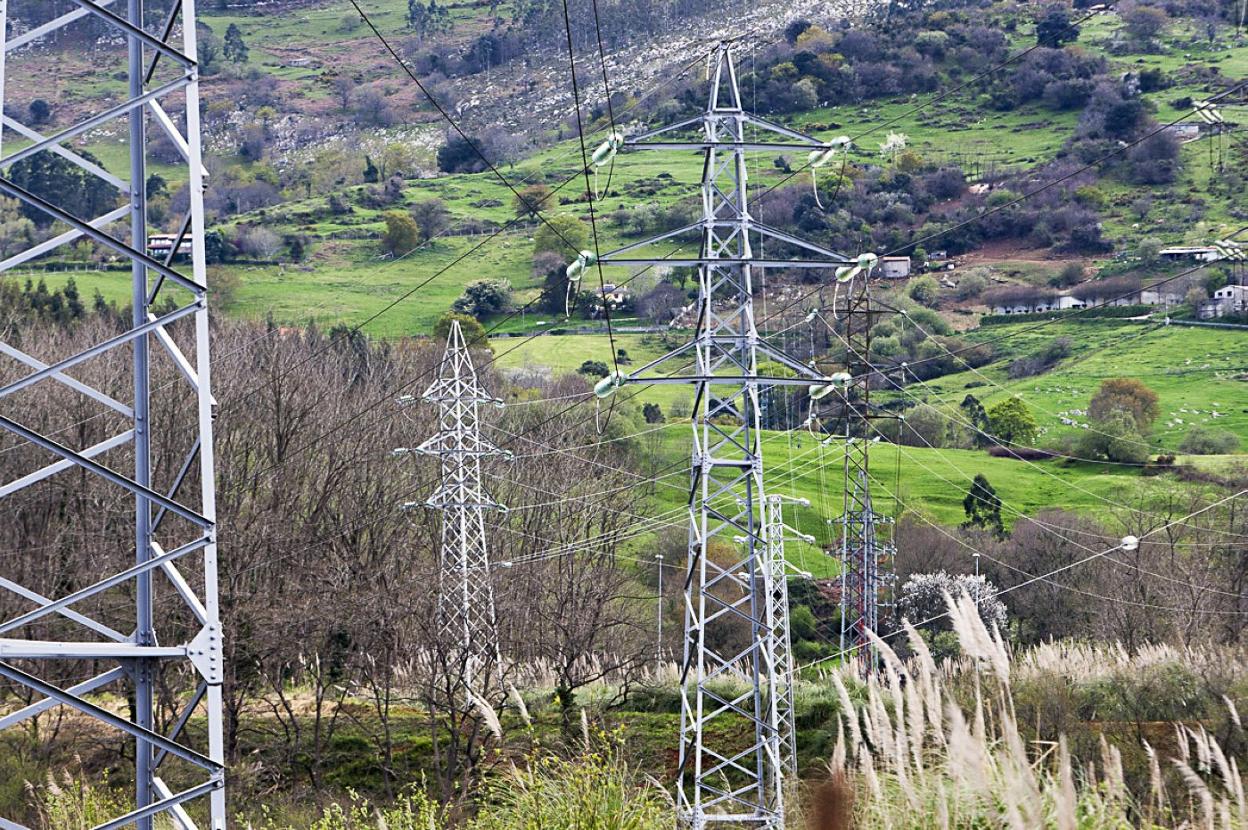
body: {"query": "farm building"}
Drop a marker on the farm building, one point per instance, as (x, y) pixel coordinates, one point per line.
(1198, 253)
(1229, 299)
(895, 267)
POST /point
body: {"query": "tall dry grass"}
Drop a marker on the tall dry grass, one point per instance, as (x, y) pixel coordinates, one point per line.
(919, 760)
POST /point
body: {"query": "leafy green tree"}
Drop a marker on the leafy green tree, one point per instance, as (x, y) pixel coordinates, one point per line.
(982, 506)
(418, 18)
(156, 185)
(216, 248)
(371, 174)
(461, 155)
(552, 269)
(594, 368)
(974, 414)
(208, 51)
(469, 326)
(652, 413)
(73, 300)
(428, 19)
(234, 48)
(1125, 395)
(1115, 438)
(16, 230)
(482, 298)
(1011, 422)
(402, 234)
(1056, 29)
(563, 234)
(40, 111)
(64, 184)
(925, 291)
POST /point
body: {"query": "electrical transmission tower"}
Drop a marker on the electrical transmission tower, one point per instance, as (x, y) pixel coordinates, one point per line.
(726, 780)
(866, 559)
(775, 567)
(109, 634)
(465, 595)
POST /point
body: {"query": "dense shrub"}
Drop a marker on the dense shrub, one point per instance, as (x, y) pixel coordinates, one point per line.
(1115, 438)
(1042, 360)
(924, 290)
(1208, 441)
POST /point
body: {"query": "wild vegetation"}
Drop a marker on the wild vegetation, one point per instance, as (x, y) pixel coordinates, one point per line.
(1035, 671)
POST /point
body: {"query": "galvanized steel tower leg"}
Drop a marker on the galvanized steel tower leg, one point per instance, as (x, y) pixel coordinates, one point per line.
(175, 541)
(776, 571)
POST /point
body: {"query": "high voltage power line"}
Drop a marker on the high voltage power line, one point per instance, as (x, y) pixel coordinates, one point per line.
(761, 794)
(168, 532)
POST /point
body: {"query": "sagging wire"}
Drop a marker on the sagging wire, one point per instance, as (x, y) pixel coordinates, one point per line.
(605, 154)
(607, 151)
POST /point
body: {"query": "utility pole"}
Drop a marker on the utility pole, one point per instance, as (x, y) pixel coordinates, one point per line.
(731, 763)
(866, 559)
(465, 592)
(175, 529)
(658, 651)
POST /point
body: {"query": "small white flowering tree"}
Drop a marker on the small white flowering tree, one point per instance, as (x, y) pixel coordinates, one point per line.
(922, 598)
(893, 144)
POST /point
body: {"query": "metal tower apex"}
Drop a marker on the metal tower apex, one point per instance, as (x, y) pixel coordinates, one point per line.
(457, 376)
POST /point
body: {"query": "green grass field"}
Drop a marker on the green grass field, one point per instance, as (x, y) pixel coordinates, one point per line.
(921, 482)
(1198, 374)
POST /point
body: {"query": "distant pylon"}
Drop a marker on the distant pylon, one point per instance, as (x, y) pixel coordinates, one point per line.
(731, 766)
(775, 568)
(465, 592)
(866, 559)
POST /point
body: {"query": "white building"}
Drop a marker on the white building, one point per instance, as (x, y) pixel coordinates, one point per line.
(1037, 304)
(1199, 253)
(617, 295)
(895, 267)
(1229, 299)
(159, 245)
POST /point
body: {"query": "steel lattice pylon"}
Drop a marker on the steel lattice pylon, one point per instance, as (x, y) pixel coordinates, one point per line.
(174, 537)
(865, 559)
(775, 567)
(465, 593)
(727, 781)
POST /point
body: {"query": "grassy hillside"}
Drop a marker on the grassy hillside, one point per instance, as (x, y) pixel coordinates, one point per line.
(345, 279)
(1198, 374)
